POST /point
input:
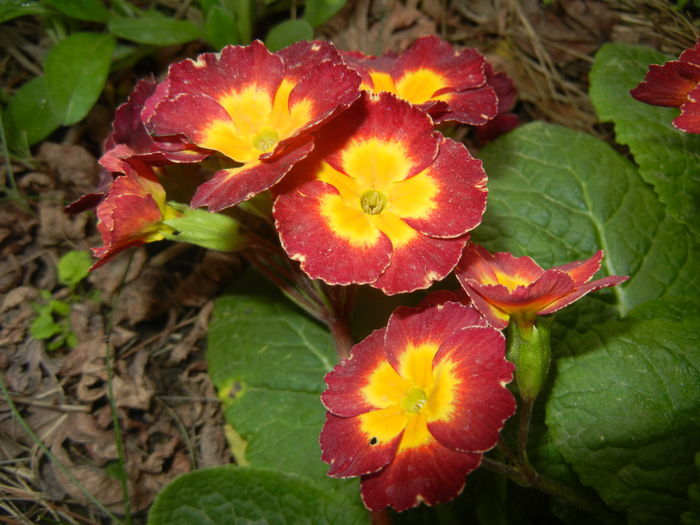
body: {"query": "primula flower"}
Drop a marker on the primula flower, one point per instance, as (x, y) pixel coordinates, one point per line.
(502, 286)
(384, 200)
(132, 212)
(255, 107)
(675, 84)
(450, 85)
(416, 405)
(505, 120)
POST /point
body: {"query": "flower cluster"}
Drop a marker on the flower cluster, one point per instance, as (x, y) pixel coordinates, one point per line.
(365, 190)
(675, 84)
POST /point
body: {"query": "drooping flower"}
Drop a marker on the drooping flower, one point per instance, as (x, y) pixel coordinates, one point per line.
(132, 212)
(675, 84)
(450, 85)
(504, 287)
(416, 405)
(383, 200)
(255, 107)
(505, 120)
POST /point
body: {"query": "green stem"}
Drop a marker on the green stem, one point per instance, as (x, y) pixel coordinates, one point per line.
(581, 500)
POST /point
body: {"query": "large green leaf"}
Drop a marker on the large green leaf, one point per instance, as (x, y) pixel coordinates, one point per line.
(15, 8)
(668, 158)
(76, 71)
(287, 32)
(30, 113)
(154, 29)
(316, 12)
(91, 10)
(625, 412)
(243, 496)
(268, 359)
(559, 195)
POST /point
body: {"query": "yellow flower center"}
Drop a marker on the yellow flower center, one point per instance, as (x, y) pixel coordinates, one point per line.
(373, 202)
(266, 140)
(414, 400)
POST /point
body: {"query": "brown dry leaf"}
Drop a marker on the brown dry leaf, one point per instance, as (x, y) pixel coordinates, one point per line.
(29, 364)
(57, 227)
(132, 386)
(189, 343)
(109, 277)
(15, 229)
(207, 278)
(72, 164)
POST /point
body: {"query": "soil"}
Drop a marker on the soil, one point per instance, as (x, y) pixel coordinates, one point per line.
(140, 322)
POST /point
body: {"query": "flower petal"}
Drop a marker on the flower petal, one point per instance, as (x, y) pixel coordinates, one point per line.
(584, 289)
(332, 241)
(471, 374)
(351, 451)
(229, 187)
(429, 474)
(411, 328)
(419, 262)
(582, 271)
(689, 119)
(668, 84)
(454, 212)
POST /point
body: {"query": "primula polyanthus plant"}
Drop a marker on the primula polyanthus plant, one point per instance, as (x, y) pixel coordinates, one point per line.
(416, 405)
(675, 84)
(341, 156)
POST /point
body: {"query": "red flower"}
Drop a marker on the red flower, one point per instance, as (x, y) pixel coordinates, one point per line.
(132, 213)
(254, 107)
(450, 85)
(675, 84)
(383, 200)
(416, 404)
(502, 286)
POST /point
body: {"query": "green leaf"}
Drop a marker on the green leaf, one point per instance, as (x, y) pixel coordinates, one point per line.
(287, 32)
(90, 10)
(221, 27)
(29, 113)
(76, 71)
(15, 8)
(559, 195)
(154, 30)
(625, 413)
(316, 12)
(73, 267)
(668, 158)
(267, 360)
(44, 326)
(243, 496)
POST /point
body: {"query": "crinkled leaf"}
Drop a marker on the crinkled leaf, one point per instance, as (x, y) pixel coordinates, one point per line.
(625, 412)
(91, 10)
(76, 71)
(559, 195)
(221, 27)
(316, 12)
(243, 496)
(154, 30)
(30, 113)
(668, 158)
(287, 32)
(268, 359)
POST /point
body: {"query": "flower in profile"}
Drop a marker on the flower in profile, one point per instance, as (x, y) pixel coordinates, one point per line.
(675, 84)
(505, 120)
(416, 405)
(384, 200)
(132, 212)
(450, 85)
(504, 287)
(254, 107)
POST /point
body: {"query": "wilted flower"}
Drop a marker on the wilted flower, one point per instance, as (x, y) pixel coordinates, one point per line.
(255, 107)
(450, 85)
(383, 200)
(416, 404)
(675, 84)
(502, 286)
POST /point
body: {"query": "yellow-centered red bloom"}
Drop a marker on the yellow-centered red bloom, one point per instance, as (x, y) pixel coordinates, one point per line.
(416, 404)
(383, 200)
(450, 85)
(675, 84)
(504, 287)
(254, 107)
(132, 212)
